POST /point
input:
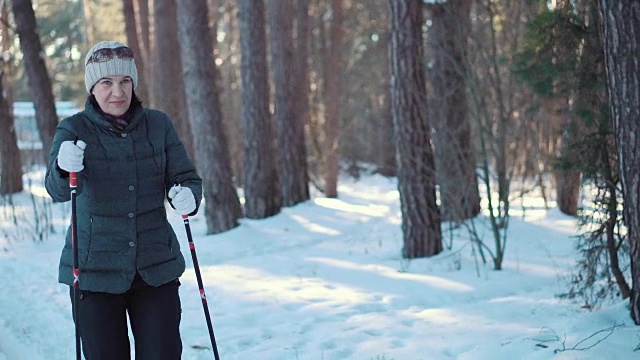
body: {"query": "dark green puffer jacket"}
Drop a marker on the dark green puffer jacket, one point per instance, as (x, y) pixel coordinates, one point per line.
(122, 222)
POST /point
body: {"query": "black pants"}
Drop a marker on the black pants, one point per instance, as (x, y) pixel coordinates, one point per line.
(154, 314)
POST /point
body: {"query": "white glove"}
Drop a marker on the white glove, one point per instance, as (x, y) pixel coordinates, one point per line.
(182, 199)
(70, 156)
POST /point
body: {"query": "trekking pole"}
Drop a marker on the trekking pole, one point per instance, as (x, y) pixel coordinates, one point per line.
(203, 297)
(73, 185)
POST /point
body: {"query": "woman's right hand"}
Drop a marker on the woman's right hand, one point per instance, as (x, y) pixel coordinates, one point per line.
(71, 155)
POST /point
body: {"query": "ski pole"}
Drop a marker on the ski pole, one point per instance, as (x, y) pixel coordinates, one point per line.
(73, 185)
(203, 297)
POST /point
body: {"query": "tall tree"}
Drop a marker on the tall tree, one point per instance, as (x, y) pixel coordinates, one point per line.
(449, 110)
(141, 9)
(89, 37)
(621, 36)
(168, 86)
(7, 70)
(416, 172)
(61, 33)
(145, 48)
(222, 207)
(131, 30)
(10, 161)
(262, 195)
(292, 154)
(36, 69)
(385, 156)
(333, 92)
(567, 177)
(385, 147)
(301, 62)
(10, 158)
(227, 50)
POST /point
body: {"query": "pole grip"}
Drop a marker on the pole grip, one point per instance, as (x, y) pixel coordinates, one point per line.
(73, 179)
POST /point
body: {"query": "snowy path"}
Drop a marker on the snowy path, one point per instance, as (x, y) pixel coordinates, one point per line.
(32, 300)
(324, 280)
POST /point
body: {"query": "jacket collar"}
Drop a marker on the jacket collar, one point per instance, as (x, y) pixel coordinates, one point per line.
(97, 116)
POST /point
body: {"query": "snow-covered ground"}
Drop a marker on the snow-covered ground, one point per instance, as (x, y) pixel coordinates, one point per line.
(325, 280)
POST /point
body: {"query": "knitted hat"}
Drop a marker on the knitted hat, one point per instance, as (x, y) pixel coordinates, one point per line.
(108, 58)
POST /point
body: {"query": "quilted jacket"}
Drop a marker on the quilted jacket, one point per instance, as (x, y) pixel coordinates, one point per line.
(122, 222)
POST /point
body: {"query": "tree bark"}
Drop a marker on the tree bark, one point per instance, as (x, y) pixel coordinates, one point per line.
(262, 195)
(621, 36)
(222, 206)
(568, 179)
(333, 92)
(10, 160)
(385, 156)
(141, 10)
(10, 156)
(38, 79)
(88, 23)
(7, 66)
(301, 62)
(454, 148)
(168, 82)
(131, 30)
(416, 173)
(384, 149)
(292, 154)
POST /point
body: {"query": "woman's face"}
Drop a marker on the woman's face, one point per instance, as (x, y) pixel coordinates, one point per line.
(113, 94)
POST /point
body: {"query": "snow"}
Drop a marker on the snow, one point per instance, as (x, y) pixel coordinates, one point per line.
(325, 280)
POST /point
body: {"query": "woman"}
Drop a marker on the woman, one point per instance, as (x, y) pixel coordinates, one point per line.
(128, 159)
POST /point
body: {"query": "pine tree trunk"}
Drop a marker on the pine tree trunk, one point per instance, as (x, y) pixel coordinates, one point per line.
(131, 30)
(168, 82)
(568, 191)
(141, 10)
(88, 23)
(301, 63)
(333, 92)
(455, 150)
(416, 173)
(292, 153)
(384, 149)
(37, 76)
(222, 206)
(621, 35)
(563, 123)
(261, 192)
(386, 152)
(10, 163)
(7, 66)
(568, 179)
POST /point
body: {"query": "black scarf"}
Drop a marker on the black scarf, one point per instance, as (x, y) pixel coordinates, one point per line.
(118, 122)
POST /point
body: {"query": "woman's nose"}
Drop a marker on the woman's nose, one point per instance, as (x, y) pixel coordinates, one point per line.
(118, 89)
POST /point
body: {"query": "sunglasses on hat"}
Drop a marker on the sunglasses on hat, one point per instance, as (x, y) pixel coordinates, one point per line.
(106, 54)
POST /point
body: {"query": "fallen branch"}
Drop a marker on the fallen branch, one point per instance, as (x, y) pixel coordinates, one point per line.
(577, 347)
